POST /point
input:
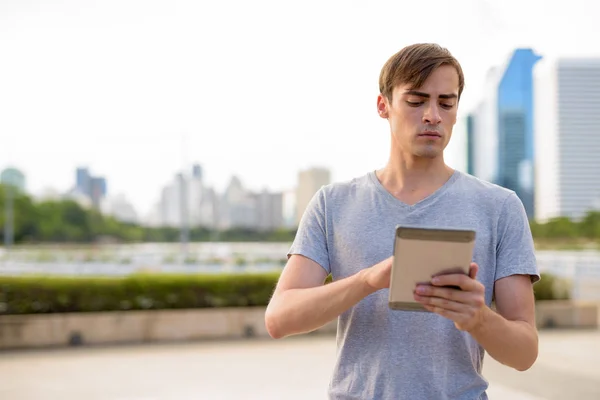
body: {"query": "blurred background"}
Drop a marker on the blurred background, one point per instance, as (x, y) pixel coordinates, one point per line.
(156, 157)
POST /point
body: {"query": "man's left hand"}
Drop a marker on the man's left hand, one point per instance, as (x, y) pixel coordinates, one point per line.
(465, 307)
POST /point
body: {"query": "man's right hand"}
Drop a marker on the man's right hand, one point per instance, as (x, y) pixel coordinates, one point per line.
(378, 276)
(302, 303)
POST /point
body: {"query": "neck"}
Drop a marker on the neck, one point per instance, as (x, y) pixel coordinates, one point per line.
(404, 174)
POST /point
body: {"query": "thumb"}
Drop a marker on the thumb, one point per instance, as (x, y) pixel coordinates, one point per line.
(474, 268)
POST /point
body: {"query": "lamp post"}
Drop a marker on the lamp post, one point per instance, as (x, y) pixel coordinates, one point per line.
(184, 226)
(184, 200)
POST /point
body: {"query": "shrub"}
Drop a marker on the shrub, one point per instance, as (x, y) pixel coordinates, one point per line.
(37, 295)
(52, 294)
(551, 288)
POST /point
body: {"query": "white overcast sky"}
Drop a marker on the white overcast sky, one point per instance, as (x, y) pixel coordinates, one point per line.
(259, 88)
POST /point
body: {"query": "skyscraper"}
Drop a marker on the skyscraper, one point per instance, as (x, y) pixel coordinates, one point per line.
(456, 152)
(484, 136)
(567, 137)
(269, 210)
(500, 130)
(470, 144)
(309, 183)
(515, 127)
(90, 187)
(97, 190)
(83, 181)
(197, 172)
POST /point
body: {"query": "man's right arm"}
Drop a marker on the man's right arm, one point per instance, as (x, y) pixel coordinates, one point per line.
(302, 303)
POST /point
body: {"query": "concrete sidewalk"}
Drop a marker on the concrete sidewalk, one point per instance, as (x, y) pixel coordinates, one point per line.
(294, 368)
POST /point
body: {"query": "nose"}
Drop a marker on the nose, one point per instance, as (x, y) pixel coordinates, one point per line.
(432, 114)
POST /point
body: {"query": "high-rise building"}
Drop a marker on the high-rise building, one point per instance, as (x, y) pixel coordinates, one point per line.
(170, 204)
(269, 210)
(97, 190)
(515, 127)
(485, 129)
(567, 137)
(120, 208)
(83, 181)
(197, 171)
(237, 208)
(470, 156)
(289, 208)
(14, 178)
(195, 197)
(501, 139)
(102, 184)
(187, 201)
(309, 183)
(455, 153)
(92, 187)
(209, 208)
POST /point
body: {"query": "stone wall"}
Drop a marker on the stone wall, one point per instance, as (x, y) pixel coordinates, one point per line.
(52, 330)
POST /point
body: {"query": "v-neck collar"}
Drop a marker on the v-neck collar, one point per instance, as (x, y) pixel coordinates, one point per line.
(423, 202)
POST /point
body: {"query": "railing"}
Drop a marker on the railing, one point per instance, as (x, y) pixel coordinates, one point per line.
(581, 268)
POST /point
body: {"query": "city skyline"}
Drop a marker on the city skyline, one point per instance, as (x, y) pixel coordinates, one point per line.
(455, 156)
(506, 113)
(202, 199)
(151, 87)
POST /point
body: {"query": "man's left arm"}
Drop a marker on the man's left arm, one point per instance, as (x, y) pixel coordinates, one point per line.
(508, 334)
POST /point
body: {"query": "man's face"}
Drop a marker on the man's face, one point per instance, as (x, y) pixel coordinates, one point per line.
(421, 119)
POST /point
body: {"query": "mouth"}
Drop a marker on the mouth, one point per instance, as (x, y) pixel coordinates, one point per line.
(430, 134)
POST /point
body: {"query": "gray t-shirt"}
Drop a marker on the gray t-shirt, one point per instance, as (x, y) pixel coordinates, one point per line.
(385, 354)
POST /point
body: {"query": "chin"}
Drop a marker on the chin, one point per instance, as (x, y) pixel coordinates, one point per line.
(430, 156)
(427, 153)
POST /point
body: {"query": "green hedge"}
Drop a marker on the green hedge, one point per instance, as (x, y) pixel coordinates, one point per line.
(552, 288)
(40, 295)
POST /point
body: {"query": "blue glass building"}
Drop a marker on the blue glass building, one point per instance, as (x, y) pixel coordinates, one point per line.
(94, 187)
(470, 146)
(83, 181)
(515, 127)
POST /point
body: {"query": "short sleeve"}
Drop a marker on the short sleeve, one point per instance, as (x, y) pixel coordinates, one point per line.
(311, 238)
(515, 250)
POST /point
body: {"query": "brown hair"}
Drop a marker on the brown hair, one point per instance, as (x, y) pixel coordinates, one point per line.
(413, 65)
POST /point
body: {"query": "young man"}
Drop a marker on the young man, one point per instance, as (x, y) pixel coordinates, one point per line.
(348, 231)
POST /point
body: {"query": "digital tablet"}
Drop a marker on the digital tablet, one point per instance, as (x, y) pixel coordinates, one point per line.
(422, 253)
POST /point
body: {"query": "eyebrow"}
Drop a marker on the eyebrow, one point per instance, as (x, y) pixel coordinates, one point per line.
(426, 95)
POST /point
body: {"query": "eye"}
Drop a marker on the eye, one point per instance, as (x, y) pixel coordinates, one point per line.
(414, 103)
(447, 106)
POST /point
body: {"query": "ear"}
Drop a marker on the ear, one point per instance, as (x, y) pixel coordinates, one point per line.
(382, 107)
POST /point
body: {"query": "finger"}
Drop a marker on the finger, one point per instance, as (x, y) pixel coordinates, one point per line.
(465, 282)
(446, 304)
(440, 303)
(474, 268)
(445, 293)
